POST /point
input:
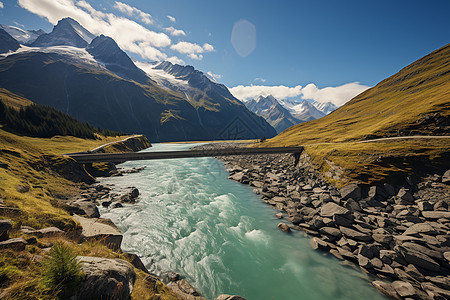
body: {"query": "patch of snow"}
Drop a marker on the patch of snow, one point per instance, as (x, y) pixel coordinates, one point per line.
(76, 54)
(20, 35)
(160, 76)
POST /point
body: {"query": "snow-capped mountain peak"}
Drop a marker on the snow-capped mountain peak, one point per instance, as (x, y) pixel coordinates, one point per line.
(67, 32)
(22, 36)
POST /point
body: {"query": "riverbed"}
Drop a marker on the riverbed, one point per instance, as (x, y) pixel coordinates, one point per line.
(216, 232)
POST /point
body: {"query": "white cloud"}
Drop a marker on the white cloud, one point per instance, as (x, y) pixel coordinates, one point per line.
(133, 11)
(253, 91)
(174, 31)
(176, 60)
(259, 79)
(171, 19)
(213, 76)
(1, 5)
(337, 95)
(128, 34)
(192, 50)
(195, 56)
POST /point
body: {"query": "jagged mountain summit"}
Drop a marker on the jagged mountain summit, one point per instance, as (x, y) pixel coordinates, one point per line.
(94, 81)
(270, 109)
(7, 42)
(302, 109)
(282, 114)
(67, 32)
(106, 51)
(325, 107)
(22, 36)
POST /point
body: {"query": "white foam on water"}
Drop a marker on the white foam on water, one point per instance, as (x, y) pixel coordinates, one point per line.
(216, 232)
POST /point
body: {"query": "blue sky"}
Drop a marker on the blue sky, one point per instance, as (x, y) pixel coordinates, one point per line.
(332, 43)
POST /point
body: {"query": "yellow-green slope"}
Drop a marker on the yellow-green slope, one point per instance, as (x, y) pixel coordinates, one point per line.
(395, 105)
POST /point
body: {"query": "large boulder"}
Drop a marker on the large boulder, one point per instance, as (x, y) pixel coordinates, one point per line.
(94, 229)
(355, 234)
(351, 191)
(330, 209)
(5, 226)
(17, 244)
(184, 290)
(105, 278)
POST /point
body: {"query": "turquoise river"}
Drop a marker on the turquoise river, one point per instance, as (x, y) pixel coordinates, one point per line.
(217, 233)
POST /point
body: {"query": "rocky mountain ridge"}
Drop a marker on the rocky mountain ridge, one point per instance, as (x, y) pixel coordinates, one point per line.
(93, 80)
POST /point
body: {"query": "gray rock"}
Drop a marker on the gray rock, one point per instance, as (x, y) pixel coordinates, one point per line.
(351, 191)
(424, 228)
(279, 215)
(405, 195)
(355, 235)
(317, 243)
(434, 215)
(106, 278)
(330, 209)
(447, 256)
(97, 231)
(420, 260)
(87, 208)
(172, 276)
(17, 244)
(364, 261)
(422, 249)
(369, 251)
(389, 189)
(386, 289)
(228, 297)
(184, 290)
(51, 232)
(5, 225)
(345, 253)
(388, 256)
(330, 231)
(376, 263)
(404, 289)
(342, 221)
(440, 281)
(434, 292)
(134, 193)
(424, 205)
(446, 177)
(284, 227)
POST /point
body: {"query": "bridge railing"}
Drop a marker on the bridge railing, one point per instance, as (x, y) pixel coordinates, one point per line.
(121, 157)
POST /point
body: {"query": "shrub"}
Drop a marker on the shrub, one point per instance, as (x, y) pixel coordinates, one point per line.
(61, 270)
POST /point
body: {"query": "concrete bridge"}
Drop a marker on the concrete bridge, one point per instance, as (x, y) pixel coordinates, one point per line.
(88, 158)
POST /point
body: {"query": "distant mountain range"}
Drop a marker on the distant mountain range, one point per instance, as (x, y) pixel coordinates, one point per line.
(282, 114)
(413, 102)
(93, 80)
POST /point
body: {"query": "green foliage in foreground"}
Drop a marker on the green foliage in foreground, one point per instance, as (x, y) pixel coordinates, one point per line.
(61, 270)
(45, 121)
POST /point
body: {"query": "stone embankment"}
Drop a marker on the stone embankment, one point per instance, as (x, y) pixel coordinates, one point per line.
(398, 234)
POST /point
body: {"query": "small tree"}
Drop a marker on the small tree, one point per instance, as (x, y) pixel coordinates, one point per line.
(61, 270)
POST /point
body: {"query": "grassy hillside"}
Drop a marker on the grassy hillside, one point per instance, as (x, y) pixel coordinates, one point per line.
(403, 104)
(415, 101)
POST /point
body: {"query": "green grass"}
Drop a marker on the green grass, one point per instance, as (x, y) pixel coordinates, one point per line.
(61, 271)
(393, 105)
(397, 106)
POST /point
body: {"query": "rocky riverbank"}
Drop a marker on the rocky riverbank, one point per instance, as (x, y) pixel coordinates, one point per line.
(397, 234)
(85, 209)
